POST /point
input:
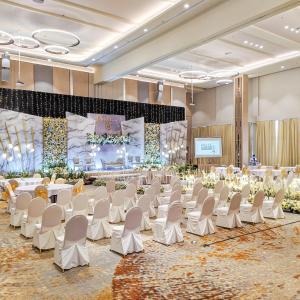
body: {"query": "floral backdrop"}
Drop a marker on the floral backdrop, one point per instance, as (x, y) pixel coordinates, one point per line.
(54, 141)
(152, 143)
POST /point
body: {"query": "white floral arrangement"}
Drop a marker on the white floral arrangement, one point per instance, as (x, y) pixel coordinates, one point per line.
(105, 139)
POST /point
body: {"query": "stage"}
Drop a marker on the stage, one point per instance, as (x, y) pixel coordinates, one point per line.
(118, 174)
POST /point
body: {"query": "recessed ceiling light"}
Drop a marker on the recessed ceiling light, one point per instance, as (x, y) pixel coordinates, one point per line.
(93, 59)
(245, 42)
(251, 44)
(145, 29)
(297, 31)
(186, 6)
(286, 27)
(292, 29)
(256, 45)
(261, 46)
(49, 59)
(282, 67)
(116, 46)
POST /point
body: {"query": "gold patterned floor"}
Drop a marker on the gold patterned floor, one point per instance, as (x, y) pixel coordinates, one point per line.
(255, 262)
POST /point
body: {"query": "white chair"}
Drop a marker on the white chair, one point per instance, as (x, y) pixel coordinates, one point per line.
(17, 213)
(197, 204)
(200, 223)
(272, 208)
(116, 212)
(89, 163)
(228, 217)
(53, 178)
(163, 209)
(217, 190)
(127, 238)
(167, 230)
(79, 206)
(245, 193)
(64, 198)
(70, 248)
(253, 213)
(98, 227)
(45, 234)
(134, 181)
(193, 197)
(110, 186)
(166, 198)
(289, 179)
(221, 201)
(130, 196)
(76, 163)
(144, 204)
(150, 192)
(98, 194)
(35, 212)
(156, 189)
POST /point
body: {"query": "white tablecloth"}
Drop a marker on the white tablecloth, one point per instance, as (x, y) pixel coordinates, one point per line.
(23, 181)
(223, 170)
(52, 189)
(261, 172)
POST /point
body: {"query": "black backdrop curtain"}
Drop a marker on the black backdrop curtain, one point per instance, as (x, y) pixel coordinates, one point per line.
(56, 105)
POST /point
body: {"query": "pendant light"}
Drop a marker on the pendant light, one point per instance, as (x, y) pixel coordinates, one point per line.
(192, 92)
(19, 82)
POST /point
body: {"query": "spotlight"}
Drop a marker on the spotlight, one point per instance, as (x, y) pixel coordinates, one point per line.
(186, 6)
(145, 29)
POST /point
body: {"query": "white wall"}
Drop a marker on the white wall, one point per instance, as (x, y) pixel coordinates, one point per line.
(271, 97)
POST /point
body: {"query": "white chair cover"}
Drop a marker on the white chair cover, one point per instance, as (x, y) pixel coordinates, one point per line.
(167, 230)
(130, 196)
(116, 212)
(144, 204)
(221, 201)
(228, 217)
(197, 205)
(35, 211)
(217, 190)
(98, 194)
(127, 239)
(11, 198)
(64, 198)
(253, 213)
(163, 209)
(150, 192)
(70, 249)
(156, 189)
(110, 186)
(245, 194)
(272, 208)
(193, 197)
(98, 227)
(200, 223)
(79, 206)
(45, 234)
(22, 203)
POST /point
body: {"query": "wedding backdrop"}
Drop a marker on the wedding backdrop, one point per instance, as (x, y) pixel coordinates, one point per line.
(84, 137)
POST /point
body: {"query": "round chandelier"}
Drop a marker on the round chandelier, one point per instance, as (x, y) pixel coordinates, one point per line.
(6, 38)
(25, 42)
(57, 50)
(194, 75)
(58, 37)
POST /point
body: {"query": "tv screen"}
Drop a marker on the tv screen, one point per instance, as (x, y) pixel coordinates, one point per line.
(208, 147)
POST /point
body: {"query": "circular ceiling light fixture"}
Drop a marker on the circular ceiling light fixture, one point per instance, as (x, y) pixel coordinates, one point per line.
(224, 81)
(6, 38)
(57, 50)
(56, 37)
(194, 75)
(223, 73)
(26, 42)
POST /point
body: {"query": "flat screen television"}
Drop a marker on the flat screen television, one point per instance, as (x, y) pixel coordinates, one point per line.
(208, 147)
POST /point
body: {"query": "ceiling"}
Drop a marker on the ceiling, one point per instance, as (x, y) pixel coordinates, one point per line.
(268, 46)
(100, 25)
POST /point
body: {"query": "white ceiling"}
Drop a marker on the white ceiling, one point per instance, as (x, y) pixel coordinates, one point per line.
(98, 24)
(281, 50)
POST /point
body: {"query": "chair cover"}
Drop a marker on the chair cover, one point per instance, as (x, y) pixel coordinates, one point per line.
(150, 192)
(98, 226)
(13, 183)
(193, 197)
(217, 190)
(197, 205)
(144, 204)
(17, 213)
(70, 249)
(167, 230)
(97, 195)
(130, 196)
(110, 186)
(45, 181)
(79, 206)
(221, 201)
(64, 198)
(116, 213)
(200, 223)
(45, 234)
(78, 187)
(41, 191)
(53, 177)
(228, 217)
(35, 211)
(60, 181)
(272, 208)
(127, 239)
(37, 175)
(245, 193)
(10, 196)
(253, 213)
(156, 189)
(163, 209)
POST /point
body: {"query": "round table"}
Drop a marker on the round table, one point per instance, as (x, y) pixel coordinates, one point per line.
(23, 181)
(53, 189)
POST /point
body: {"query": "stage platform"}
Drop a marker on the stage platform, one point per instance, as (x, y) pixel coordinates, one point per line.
(118, 175)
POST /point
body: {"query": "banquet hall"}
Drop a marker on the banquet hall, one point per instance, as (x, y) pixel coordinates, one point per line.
(150, 149)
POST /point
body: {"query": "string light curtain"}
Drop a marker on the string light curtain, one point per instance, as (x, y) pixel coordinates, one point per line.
(226, 133)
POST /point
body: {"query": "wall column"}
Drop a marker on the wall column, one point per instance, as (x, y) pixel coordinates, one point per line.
(241, 120)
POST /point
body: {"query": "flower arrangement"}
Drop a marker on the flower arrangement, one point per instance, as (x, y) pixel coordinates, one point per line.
(120, 186)
(184, 190)
(99, 182)
(104, 139)
(162, 189)
(140, 191)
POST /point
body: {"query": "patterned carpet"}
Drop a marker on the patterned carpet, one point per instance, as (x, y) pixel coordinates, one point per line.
(255, 262)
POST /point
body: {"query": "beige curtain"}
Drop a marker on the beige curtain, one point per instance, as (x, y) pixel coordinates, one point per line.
(266, 143)
(226, 132)
(289, 142)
